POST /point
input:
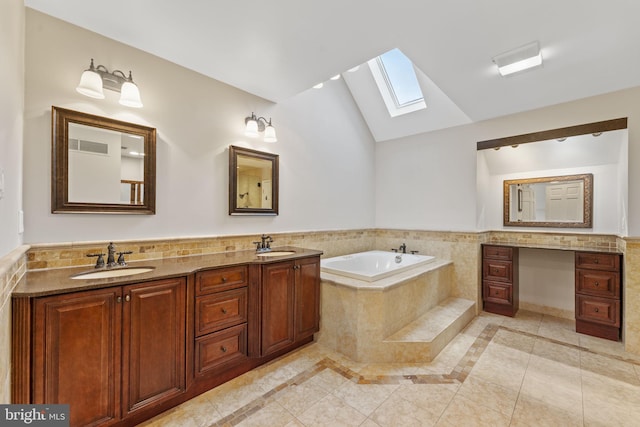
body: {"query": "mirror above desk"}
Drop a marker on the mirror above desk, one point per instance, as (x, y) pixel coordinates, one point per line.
(101, 165)
(554, 201)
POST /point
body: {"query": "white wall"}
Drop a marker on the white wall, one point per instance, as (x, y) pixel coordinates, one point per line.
(326, 151)
(429, 181)
(11, 108)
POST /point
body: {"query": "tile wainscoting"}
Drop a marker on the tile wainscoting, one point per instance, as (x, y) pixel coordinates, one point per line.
(463, 248)
(12, 267)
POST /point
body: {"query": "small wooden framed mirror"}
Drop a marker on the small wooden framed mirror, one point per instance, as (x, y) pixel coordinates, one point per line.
(253, 182)
(101, 165)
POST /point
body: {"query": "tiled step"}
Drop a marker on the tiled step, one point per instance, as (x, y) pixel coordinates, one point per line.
(422, 339)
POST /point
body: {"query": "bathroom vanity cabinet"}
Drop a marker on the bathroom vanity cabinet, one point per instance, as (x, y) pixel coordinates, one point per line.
(110, 352)
(221, 307)
(290, 309)
(121, 351)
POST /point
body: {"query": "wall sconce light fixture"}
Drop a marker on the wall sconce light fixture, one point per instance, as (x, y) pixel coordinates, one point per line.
(519, 59)
(254, 124)
(94, 79)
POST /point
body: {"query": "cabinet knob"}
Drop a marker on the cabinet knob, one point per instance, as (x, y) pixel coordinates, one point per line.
(223, 349)
(596, 310)
(224, 310)
(119, 300)
(127, 298)
(597, 284)
(224, 279)
(596, 261)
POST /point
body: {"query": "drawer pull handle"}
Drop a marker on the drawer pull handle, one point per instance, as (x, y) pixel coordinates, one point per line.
(224, 279)
(223, 349)
(224, 310)
(596, 310)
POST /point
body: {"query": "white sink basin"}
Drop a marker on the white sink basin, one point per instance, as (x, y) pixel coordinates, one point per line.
(116, 272)
(276, 253)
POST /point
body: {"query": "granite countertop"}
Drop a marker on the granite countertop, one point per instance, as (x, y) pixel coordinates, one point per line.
(57, 281)
(553, 247)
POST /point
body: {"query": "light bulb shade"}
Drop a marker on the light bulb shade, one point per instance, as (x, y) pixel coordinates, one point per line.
(130, 95)
(251, 128)
(270, 134)
(91, 85)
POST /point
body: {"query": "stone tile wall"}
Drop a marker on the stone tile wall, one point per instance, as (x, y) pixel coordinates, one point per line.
(12, 267)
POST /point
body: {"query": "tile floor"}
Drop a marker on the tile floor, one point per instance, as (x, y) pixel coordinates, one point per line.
(531, 370)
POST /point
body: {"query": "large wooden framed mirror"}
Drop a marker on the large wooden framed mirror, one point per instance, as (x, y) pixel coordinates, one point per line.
(101, 165)
(253, 182)
(552, 201)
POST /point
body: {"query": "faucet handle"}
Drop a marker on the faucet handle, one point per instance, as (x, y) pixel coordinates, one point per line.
(99, 261)
(394, 250)
(414, 252)
(257, 245)
(121, 255)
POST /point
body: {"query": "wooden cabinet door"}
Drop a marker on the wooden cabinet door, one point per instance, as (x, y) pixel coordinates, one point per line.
(277, 306)
(77, 354)
(154, 342)
(307, 294)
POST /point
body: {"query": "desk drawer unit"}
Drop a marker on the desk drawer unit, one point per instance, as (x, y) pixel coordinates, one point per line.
(500, 279)
(598, 294)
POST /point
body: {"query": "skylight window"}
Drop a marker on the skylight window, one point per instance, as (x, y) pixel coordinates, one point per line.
(397, 82)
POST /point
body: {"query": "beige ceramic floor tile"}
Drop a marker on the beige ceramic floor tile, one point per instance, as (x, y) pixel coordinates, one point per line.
(555, 384)
(331, 411)
(364, 397)
(433, 398)
(610, 367)
(464, 412)
(565, 354)
(397, 411)
(529, 412)
(525, 321)
(488, 394)
(271, 415)
(298, 398)
(328, 380)
(504, 373)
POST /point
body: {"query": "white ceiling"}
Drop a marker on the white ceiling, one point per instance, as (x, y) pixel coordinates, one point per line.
(279, 48)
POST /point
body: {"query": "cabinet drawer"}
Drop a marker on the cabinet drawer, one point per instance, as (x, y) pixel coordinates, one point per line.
(598, 261)
(497, 252)
(598, 283)
(497, 270)
(226, 347)
(605, 311)
(221, 279)
(499, 293)
(220, 310)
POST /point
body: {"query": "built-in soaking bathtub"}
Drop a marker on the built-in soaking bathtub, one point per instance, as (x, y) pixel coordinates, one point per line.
(373, 265)
(368, 297)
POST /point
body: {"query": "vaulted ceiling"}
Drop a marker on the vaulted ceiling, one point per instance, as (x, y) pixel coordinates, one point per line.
(279, 48)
